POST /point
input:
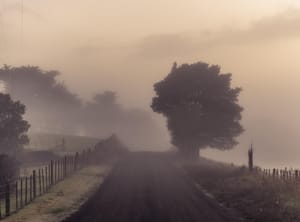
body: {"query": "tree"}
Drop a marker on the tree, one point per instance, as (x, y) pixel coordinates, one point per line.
(13, 127)
(201, 108)
(104, 115)
(51, 105)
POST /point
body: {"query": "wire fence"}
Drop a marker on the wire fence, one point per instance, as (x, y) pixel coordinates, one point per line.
(19, 192)
(282, 174)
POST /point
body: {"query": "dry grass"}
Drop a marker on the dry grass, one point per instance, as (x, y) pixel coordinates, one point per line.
(258, 198)
(64, 198)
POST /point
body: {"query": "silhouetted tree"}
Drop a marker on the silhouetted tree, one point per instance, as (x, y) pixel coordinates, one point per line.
(102, 114)
(200, 106)
(13, 127)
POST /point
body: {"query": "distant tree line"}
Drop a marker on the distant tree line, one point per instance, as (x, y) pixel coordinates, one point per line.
(53, 108)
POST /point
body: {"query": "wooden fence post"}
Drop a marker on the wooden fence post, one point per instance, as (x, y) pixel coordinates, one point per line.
(0, 211)
(58, 171)
(43, 181)
(17, 196)
(34, 183)
(26, 190)
(30, 189)
(21, 198)
(62, 168)
(46, 177)
(71, 164)
(51, 173)
(62, 171)
(40, 182)
(55, 166)
(7, 200)
(67, 163)
(55, 171)
(76, 161)
(65, 166)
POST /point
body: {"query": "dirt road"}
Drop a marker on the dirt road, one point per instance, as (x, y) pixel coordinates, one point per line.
(149, 188)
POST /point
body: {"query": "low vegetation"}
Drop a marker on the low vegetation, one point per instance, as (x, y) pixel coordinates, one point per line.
(258, 198)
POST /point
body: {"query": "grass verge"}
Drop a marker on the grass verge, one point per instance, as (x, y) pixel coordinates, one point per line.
(62, 199)
(257, 198)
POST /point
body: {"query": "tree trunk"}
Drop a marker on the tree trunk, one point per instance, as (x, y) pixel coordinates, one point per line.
(191, 154)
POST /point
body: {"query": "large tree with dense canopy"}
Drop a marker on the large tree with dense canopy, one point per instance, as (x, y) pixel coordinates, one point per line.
(200, 106)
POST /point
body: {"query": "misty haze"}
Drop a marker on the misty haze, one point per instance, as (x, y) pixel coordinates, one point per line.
(156, 111)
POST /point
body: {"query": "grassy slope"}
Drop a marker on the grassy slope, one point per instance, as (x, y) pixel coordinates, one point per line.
(257, 198)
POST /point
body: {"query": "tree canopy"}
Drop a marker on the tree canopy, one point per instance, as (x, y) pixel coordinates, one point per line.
(51, 107)
(13, 127)
(201, 107)
(48, 100)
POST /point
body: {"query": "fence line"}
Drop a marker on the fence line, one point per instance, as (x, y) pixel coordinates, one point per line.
(281, 174)
(19, 192)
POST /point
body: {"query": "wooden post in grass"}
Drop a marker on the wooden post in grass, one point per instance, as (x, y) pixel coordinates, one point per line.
(54, 171)
(30, 188)
(76, 161)
(51, 173)
(65, 166)
(43, 181)
(46, 178)
(21, 193)
(62, 170)
(71, 163)
(26, 190)
(34, 183)
(7, 200)
(250, 158)
(17, 196)
(40, 182)
(58, 170)
(0, 211)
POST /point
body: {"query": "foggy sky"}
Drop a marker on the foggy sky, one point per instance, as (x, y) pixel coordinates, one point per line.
(126, 46)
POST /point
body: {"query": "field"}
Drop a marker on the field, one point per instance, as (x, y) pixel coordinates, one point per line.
(258, 198)
(54, 142)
